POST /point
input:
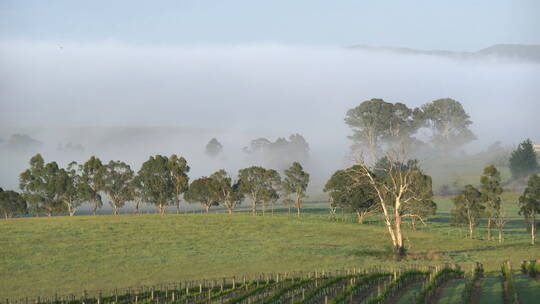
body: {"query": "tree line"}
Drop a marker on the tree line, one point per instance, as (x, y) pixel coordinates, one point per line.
(161, 181)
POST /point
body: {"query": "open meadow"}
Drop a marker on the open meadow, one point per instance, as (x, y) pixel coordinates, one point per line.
(64, 255)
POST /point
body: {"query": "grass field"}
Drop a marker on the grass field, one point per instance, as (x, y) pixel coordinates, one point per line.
(43, 256)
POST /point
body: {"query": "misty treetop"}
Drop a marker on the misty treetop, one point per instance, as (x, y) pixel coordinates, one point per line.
(280, 153)
(379, 126)
(213, 147)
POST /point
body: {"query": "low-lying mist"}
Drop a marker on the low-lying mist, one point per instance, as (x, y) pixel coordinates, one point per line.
(127, 102)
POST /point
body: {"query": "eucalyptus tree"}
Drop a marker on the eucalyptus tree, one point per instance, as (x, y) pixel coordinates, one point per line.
(72, 190)
(378, 124)
(40, 186)
(469, 208)
(272, 187)
(12, 203)
(491, 196)
(397, 188)
(449, 123)
(213, 147)
(93, 177)
(295, 183)
(136, 192)
(179, 170)
(117, 184)
(227, 191)
(369, 123)
(203, 190)
(529, 203)
(157, 182)
(252, 184)
(350, 195)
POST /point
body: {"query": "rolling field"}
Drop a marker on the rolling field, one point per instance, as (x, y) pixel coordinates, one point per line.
(44, 256)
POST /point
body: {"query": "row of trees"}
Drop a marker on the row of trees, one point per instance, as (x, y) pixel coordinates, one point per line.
(473, 205)
(379, 126)
(161, 181)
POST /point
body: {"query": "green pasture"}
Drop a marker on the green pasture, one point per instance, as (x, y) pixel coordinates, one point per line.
(44, 256)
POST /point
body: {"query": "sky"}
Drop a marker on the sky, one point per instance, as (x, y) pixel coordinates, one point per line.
(129, 79)
(459, 25)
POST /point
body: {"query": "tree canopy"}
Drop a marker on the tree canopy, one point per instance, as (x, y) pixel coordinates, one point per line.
(295, 183)
(203, 190)
(156, 182)
(523, 160)
(529, 203)
(117, 183)
(468, 208)
(449, 123)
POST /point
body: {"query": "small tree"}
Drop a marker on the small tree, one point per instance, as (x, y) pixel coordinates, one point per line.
(354, 197)
(252, 184)
(295, 182)
(117, 184)
(491, 196)
(523, 160)
(12, 203)
(204, 191)
(213, 147)
(179, 170)
(227, 191)
(530, 204)
(468, 208)
(157, 183)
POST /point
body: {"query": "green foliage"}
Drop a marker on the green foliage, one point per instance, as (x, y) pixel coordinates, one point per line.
(354, 197)
(204, 190)
(41, 186)
(449, 123)
(157, 181)
(295, 183)
(440, 277)
(510, 291)
(361, 282)
(529, 203)
(523, 160)
(259, 184)
(227, 191)
(468, 208)
(179, 169)
(375, 121)
(400, 282)
(12, 203)
(470, 285)
(93, 182)
(117, 183)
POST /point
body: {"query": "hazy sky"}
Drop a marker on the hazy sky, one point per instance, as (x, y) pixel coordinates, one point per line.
(427, 24)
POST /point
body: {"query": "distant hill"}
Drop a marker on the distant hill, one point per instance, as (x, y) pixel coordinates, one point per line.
(506, 51)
